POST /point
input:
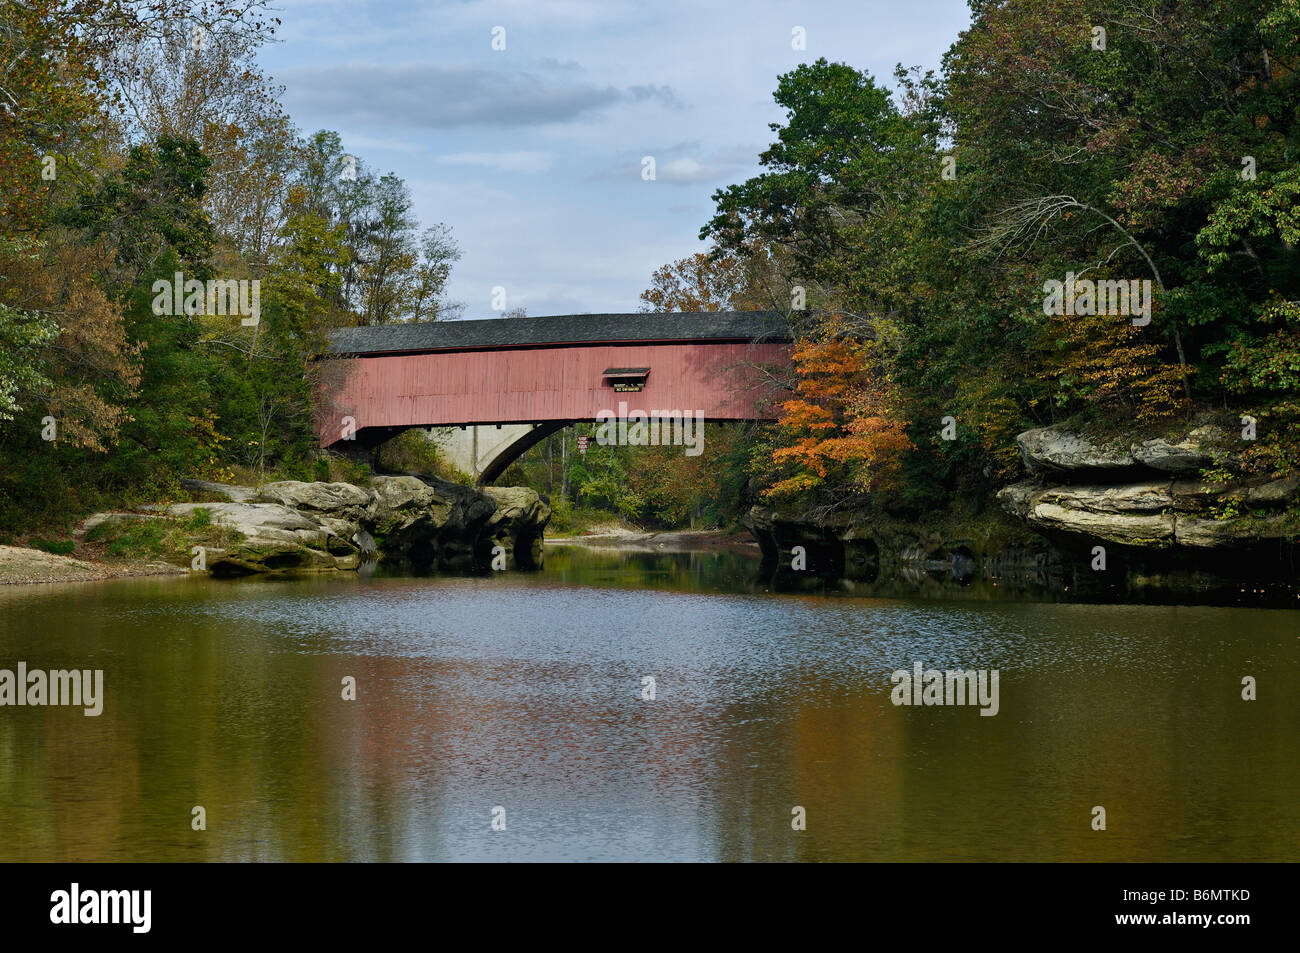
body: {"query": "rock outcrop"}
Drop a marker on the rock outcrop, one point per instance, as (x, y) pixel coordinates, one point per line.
(419, 522)
(830, 544)
(1053, 451)
(845, 546)
(516, 524)
(1146, 494)
(1168, 534)
(270, 537)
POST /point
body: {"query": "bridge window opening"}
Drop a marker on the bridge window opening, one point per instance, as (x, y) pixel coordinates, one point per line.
(626, 380)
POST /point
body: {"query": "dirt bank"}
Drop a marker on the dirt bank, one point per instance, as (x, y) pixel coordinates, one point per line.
(20, 565)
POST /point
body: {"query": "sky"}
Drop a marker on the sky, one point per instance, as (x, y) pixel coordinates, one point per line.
(533, 154)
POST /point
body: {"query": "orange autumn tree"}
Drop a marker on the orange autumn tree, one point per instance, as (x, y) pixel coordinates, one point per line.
(843, 429)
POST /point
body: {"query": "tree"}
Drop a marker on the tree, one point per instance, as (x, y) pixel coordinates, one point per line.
(848, 182)
(392, 272)
(932, 218)
(1138, 157)
(22, 333)
(151, 211)
(50, 99)
(699, 282)
(202, 83)
(438, 250)
(386, 252)
(844, 428)
(22, 336)
(83, 370)
(846, 159)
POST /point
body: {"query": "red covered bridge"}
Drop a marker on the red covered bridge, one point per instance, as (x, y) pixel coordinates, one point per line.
(548, 372)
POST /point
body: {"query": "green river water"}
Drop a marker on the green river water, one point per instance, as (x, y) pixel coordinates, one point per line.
(520, 698)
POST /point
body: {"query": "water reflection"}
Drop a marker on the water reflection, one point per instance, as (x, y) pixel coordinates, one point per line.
(524, 691)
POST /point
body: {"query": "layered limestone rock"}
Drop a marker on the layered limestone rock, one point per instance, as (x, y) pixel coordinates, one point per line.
(1051, 451)
(828, 544)
(433, 523)
(1167, 531)
(843, 545)
(271, 538)
(1125, 502)
(422, 522)
(517, 523)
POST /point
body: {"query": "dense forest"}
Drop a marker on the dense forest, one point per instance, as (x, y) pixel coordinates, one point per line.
(1116, 140)
(141, 141)
(921, 227)
(911, 231)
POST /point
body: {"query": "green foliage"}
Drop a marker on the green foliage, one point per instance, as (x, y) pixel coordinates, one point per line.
(130, 539)
(21, 334)
(144, 394)
(656, 487)
(414, 452)
(570, 520)
(59, 547)
(1170, 155)
(160, 537)
(1126, 163)
(155, 200)
(200, 518)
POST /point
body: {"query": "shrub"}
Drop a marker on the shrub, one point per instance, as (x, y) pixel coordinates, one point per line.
(199, 518)
(414, 451)
(59, 547)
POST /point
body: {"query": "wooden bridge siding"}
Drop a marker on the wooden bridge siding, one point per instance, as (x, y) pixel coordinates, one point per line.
(525, 385)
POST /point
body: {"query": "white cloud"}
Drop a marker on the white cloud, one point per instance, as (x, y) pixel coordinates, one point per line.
(533, 154)
(688, 170)
(419, 95)
(362, 142)
(530, 162)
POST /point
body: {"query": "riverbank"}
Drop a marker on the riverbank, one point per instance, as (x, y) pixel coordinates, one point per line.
(1173, 515)
(414, 523)
(669, 541)
(20, 565)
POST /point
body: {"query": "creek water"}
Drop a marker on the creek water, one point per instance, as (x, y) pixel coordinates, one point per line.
(522, 699)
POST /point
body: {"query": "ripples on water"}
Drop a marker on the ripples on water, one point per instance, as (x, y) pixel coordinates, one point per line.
(525, 692)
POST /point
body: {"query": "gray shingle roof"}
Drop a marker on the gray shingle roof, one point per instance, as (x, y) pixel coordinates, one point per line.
(564, 329)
